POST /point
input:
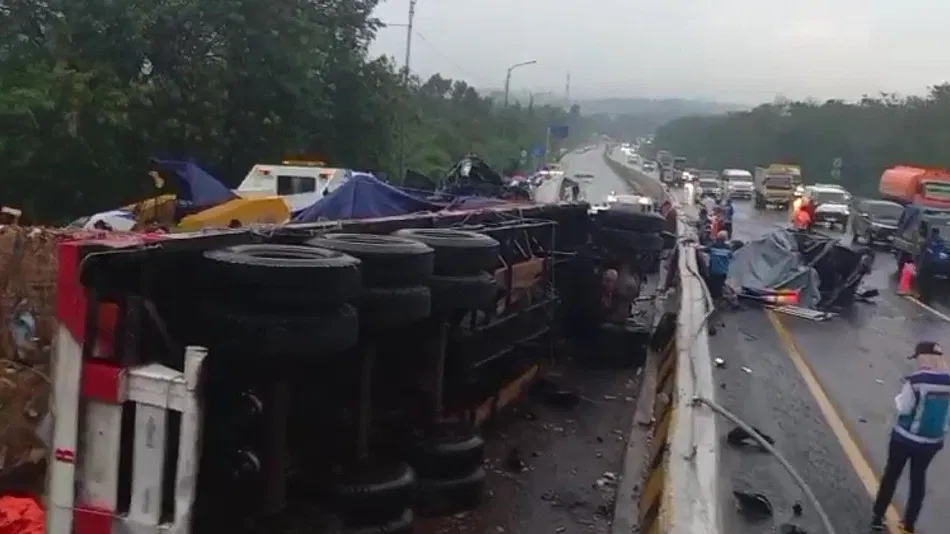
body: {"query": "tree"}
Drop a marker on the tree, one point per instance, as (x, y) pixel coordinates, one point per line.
(90, 90)
(869, 136)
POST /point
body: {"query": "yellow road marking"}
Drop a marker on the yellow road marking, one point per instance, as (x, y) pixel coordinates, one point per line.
(927, 307)
(840, 429)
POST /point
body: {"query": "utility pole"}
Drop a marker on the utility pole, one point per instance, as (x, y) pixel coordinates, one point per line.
(405, 79)
(567, 89)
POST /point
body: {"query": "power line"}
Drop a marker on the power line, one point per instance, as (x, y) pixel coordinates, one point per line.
(435, 48)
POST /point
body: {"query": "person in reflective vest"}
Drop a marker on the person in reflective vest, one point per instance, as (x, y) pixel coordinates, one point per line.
(801, 220)
(923, 418)
(717, 222)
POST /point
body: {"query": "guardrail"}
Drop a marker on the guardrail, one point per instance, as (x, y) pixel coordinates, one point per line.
(680, 494)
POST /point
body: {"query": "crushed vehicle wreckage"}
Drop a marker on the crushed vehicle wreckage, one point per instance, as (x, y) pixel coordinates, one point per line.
(347, 360)
(824, 272)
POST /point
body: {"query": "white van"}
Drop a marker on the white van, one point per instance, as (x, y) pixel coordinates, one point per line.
(300, 183)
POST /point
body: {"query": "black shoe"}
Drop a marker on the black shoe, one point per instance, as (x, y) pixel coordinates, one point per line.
(877, 524)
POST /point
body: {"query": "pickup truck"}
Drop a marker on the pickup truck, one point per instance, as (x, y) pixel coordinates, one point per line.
(913, 228)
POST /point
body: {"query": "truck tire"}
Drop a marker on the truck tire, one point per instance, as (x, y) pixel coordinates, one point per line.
(388, 261)
(620, 239)
(440, 498)
(373, 495)
(630, 218)
(449, 451)
(453, 293)
(457, 252)
(388, 307)
(283, 275)
(280, 335)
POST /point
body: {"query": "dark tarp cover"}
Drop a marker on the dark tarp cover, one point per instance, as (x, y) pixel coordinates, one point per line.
(364, 197)
(196, 188)
(774, 262)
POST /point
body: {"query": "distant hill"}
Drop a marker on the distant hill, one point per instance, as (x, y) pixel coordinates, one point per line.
(670, 107)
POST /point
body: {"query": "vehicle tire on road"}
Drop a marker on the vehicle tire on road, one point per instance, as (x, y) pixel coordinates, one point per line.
(284, 275)
(449, 451)
(440, 498)
(387, 307)
(629, 218)
(388, 261)
(453, 293)
(628, 240)
(373, 495)
(280, 335)
(457, 252)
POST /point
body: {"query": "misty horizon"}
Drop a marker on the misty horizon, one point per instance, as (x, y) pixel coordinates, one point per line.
(734, 51)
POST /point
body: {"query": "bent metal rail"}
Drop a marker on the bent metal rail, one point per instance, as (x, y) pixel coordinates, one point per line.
(680, 493)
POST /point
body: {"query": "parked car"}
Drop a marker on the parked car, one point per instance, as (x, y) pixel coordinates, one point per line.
(874, 221)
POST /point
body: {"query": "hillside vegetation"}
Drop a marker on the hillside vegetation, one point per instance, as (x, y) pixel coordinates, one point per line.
(90, 90)
(868, 136)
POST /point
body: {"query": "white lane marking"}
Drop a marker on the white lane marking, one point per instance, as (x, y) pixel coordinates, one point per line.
(927, 307)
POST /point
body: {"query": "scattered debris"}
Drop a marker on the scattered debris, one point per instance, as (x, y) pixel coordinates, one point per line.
(514, 462)
(753, 506)
(607, 480)
(788, 528)
(746, 370)
(797, 509)
(738, 437)
(719, 362)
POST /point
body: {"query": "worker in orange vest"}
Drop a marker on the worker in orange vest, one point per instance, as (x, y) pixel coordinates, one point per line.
(801, 220)
(717, 222)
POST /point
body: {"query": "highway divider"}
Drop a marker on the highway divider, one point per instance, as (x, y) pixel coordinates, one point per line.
(640, 182)
(680, 492)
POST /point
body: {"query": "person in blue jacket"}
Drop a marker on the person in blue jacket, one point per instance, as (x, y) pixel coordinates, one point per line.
(923, 417)
(720, 254)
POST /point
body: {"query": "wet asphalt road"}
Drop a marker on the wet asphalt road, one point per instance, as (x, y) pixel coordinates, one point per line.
(858, 360)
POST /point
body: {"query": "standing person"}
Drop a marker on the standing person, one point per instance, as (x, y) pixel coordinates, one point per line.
(690, 193)
(728, 212)
(718, 223)
(720, 257)
(923, 415)
(710, 203)
(801, 220)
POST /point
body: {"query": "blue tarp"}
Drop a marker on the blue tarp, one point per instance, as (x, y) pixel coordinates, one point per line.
(196, 187)
(364, 197)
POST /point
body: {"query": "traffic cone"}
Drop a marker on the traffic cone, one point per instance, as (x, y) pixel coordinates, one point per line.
(906, 281)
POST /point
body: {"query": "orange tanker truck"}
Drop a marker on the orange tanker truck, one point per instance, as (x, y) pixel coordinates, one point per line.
(916, 185)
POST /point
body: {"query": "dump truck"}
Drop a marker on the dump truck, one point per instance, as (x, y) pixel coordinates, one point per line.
(916, 185)
(775, 185)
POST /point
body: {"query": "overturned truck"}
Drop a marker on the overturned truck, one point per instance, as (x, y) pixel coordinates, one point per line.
(330, 375)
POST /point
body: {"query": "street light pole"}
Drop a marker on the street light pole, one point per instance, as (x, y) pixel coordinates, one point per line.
(402, 121)
(508, 76)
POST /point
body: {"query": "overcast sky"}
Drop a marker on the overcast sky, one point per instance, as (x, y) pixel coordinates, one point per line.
(741, 51)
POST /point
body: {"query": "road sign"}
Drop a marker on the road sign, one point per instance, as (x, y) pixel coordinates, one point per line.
(537, 151)
(836, 164)
(524, 154)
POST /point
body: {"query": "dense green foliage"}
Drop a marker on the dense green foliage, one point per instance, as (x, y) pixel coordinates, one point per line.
(869, 136)
(91, 89)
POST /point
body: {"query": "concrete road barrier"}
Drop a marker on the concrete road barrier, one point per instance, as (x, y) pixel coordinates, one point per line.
(680, 488)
